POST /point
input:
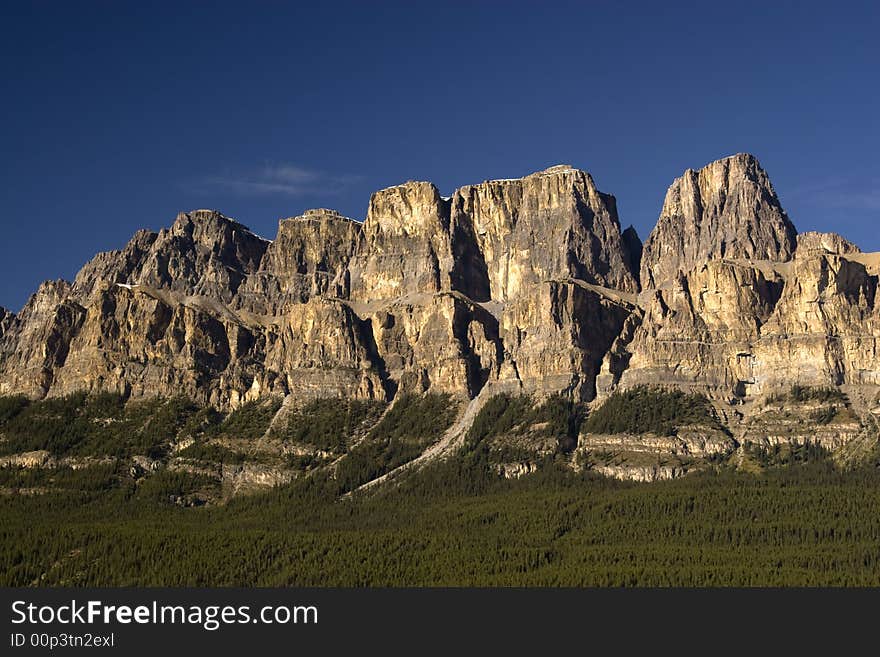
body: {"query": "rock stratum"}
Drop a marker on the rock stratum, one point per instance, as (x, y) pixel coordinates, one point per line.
(519, 286)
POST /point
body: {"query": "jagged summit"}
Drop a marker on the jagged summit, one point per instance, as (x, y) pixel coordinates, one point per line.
(6, 319)
(727, 209)
(556, 168)
(744, 160)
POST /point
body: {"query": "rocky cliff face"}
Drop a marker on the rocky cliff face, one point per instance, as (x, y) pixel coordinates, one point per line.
(308, 258)
(203, 253)
(6, 320)
(406, 246)
(825, 329)
(736, 304)
(428, 293)
(727, 209)
(741, 328)
(825, 243)
(550, 225)
(524, 285)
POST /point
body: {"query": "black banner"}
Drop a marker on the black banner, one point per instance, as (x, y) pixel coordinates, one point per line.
(412, 621)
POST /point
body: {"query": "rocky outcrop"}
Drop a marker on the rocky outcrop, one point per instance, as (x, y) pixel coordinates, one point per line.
(322, 349)
(727, 209)
(778, 423)
(406, 247)
(825, 329)
(38, 343)
(735, 306)
(553, 224)
(35, 459)
(651, 457)
(698, 331)
(645, 474)
(736, 329)
(824, 243)
(203, 253)
(147, 342)
(6, 320)
(120, 267)
(557, 336)
(441, 342)
(693, 441)
(308, 258)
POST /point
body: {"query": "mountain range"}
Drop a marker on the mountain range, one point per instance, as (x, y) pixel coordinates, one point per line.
(514, 287)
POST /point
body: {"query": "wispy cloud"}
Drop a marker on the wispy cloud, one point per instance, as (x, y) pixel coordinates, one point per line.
(276, 179)
(851, 193)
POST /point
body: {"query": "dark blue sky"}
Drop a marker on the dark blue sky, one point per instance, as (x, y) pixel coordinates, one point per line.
(116, 115)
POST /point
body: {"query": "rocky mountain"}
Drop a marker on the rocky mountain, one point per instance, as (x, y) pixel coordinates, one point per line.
(727, 209)
(426, 294)
(525, 286)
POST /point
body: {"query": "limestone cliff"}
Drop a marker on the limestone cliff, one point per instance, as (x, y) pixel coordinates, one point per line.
(406, 244)
(38, 342)
(427, 294)
(727, 209)
(525, 285)
(825, 243)
(308, 258)
(550, 225)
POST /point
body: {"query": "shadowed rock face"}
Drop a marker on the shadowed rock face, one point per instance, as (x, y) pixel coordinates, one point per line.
(525, 284)
(727, 209)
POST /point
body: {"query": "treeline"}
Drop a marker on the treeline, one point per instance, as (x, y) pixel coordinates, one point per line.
(558, 417)
(95, 425)
(800, 394)
(786, 455)
(801, 521)
(646, 409)
(330, 424)
(108, 425)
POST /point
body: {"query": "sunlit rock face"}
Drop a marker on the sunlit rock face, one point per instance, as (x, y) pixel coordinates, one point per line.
(308, 258)
(727, 209)
(406, 245)
(551, 225)
(698, 329)
(824, 243)
(737, 305)
(526, 284)
(825, 328)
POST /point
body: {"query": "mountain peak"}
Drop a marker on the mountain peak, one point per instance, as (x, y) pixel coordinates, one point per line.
(727, 209)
